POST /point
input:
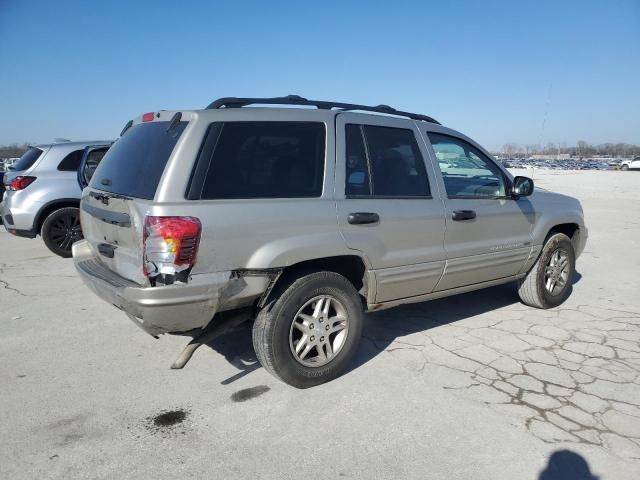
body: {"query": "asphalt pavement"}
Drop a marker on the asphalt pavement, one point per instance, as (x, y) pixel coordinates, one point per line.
(476, 386)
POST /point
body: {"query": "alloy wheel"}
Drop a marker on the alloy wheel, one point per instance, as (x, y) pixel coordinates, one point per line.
(318, 331)
(66, 230)
(556, 273)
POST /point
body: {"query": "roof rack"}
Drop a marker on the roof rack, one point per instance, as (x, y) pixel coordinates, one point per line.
(237, 102)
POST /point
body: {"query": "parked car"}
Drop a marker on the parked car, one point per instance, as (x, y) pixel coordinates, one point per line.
(42, 194)
(302, 219)
(630, 164)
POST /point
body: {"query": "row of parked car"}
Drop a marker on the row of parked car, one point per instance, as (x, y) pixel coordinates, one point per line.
(574, 164)
(300, 219)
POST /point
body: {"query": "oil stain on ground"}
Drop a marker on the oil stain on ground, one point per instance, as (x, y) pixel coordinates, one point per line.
(168, 422)
(249, 393)
(170, 418)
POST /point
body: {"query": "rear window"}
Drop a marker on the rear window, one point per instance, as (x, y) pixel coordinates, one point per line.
(267, 160)
(28, 159)
(134, 164)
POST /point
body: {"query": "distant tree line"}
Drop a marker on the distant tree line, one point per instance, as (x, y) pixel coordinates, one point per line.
(13, 150)
(582, 149)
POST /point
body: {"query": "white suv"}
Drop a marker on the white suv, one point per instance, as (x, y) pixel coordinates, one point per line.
(630, 164)
(42, 194)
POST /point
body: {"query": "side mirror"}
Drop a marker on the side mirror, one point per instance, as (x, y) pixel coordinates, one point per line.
(522, 187)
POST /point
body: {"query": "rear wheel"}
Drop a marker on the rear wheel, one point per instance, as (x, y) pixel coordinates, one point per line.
(310, 330)
(61, 229)
(548, 283)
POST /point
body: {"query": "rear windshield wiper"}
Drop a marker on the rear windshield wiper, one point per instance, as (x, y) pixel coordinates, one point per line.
(104, 197)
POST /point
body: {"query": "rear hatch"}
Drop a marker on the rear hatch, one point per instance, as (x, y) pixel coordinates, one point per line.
(121, 191)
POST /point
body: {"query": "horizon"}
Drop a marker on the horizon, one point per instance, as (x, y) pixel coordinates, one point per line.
(517, 150)
(500, 73)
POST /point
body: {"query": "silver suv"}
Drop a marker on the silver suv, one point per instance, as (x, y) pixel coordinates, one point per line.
(42, 194)
(304, 218)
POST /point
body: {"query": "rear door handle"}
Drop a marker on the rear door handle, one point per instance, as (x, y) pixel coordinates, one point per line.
(363, 218)
(460, 215)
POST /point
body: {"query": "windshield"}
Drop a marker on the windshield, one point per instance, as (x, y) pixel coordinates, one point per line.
(27, 160)
(134, 164)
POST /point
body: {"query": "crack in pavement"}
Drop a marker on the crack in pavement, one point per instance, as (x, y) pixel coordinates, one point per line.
(567, 374)
(5, 284)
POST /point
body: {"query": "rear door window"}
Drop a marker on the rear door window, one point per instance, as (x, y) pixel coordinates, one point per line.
(71, 162)
(384, 162)
(266, 160)
(358, 177)
(135, 162)
(28, 159)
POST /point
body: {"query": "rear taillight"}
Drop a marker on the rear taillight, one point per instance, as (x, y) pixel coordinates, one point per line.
(170, 244)
(19, 183)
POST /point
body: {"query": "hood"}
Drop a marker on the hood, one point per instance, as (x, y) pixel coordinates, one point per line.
(545, 200)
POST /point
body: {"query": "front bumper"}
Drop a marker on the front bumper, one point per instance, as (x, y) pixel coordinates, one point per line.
(165, 309)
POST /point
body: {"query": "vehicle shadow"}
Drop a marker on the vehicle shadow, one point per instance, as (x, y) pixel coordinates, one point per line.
(237, 348)
(380, 328)
(567, 465)
(577, 276)
(384, 327)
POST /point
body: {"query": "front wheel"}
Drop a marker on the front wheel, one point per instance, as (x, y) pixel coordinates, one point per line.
(61, 229)
(309, 331)
(625, 167)
(548, 283)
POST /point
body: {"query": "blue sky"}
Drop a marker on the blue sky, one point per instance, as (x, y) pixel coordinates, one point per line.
(499, 71)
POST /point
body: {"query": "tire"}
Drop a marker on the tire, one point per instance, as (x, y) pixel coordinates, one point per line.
(624, 167)
(533, 289)
(276, 338)
(61, 229)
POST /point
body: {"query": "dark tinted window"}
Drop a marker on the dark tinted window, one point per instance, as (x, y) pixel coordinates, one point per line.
(466, 171)
(267, 160)
(134, 164)
(396, 166)
(28, 159)
(357, 177)
(71, 162)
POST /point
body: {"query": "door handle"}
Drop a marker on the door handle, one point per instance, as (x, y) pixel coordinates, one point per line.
(363, 218)
(459, 215)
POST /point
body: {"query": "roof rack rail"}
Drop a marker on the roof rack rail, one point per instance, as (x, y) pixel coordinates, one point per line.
(237, 102)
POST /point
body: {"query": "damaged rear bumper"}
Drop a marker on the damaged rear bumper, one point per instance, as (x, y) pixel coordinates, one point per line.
(174, 308)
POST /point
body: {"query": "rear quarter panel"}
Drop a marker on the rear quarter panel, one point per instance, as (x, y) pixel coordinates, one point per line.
(252, 233)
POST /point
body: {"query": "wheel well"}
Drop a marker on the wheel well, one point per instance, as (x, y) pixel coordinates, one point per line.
(571, 230)
(52, 207)
(351, 267)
